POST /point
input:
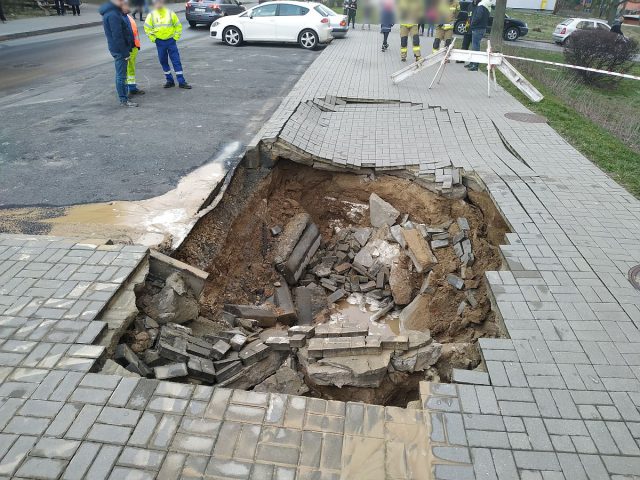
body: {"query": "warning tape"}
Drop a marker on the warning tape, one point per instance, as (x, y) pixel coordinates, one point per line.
(576, 67)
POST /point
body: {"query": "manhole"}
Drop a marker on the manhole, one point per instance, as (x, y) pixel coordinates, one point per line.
(634, 277)
(525, 117)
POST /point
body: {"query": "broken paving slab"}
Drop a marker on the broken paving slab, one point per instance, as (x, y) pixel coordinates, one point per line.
(278, 343)
(419, 252)
(455, 281)
(381, 212)
(264, 315)
(471, 377)
(289, 238)
(173, 370)
(284, 301)
(302, 253)
(366, 371)
(253, 353)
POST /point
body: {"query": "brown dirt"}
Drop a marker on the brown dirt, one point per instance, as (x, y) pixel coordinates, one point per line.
(234, 245)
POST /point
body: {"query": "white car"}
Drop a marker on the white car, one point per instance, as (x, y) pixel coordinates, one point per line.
(305, 23)
(570, 25)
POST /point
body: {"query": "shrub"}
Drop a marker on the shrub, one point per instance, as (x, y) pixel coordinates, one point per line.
(602, 50)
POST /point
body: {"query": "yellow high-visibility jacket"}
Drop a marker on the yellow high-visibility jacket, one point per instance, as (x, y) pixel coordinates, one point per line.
(448, 13)
(163, 24)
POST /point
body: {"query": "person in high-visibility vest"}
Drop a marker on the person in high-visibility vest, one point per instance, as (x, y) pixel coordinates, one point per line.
(409, 14)
(163, 28)
(132, 86)
(447, 15)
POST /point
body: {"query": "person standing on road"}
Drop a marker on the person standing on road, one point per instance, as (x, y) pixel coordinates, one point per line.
(138, 7)
(120, 41)
(466, 38)
(479, 24)
(59, 4)
(3, 19)
(132, 87)
(386, 22)
(163, 28)
(75, 7)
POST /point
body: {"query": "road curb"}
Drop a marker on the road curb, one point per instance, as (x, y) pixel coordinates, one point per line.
(35, 33)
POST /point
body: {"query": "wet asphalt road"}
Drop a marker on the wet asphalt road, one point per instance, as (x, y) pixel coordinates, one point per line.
(64, 140)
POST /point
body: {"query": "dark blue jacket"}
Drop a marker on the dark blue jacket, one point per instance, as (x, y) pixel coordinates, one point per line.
(386, 20)
(480, 17)
(118, 33)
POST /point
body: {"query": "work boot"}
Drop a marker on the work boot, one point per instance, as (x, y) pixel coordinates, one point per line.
(128, 103)
(418, 58)
(137, 92)
(169, 85)
(185, 85)
(403, 59)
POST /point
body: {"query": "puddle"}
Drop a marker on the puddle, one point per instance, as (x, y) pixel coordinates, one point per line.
(149, 221)
(355, 310)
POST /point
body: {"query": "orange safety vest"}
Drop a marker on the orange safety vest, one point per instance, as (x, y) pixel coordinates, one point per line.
(134, 27)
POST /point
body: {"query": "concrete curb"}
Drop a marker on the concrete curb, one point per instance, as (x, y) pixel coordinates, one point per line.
(45, 31)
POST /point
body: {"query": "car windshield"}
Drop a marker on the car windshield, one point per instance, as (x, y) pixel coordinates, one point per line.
(322, 10)
(567, 21)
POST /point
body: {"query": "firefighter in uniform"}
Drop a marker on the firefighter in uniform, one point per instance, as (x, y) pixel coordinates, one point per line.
(447, 15)
(409, 13)
(163, 28)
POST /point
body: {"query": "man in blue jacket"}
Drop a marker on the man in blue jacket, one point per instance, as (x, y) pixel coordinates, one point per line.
(478, 27)
(120, 42)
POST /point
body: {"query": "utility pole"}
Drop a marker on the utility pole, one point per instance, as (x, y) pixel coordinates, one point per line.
(497, 27)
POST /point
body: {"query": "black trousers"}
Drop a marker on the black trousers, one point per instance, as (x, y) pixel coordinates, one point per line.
(385, 37)
(75, 9)
(466, 41)
(351, 20)
(60, 7)
(2, 17)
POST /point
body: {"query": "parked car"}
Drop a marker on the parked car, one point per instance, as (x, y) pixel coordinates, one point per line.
(570, 25)
(305, 23)
(208, 11)
(338, 22)
(513, 28)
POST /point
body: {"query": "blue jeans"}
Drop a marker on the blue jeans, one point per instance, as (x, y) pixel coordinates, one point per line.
(476, 37)
(168, 50)
(431, 28)
(121, 77)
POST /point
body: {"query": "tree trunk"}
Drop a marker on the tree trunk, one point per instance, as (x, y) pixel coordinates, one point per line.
(497, 28)
(613, 10)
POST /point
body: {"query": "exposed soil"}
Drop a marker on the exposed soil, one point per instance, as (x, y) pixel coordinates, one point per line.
(234, 244)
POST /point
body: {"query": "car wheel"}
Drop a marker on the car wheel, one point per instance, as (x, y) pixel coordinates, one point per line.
(461, 28)
(232, 36)
(308, 39)
(511, 34)
(192, 24)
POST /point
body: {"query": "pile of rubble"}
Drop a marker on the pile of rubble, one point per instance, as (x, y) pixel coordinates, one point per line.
(386, 268)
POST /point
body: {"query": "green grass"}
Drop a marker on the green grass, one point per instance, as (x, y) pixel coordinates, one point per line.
(598, 144)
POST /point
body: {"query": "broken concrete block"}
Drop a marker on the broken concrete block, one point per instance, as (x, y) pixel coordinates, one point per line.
(286, 381)
(253, 353)
(396, 233)
(367, 287)
(306, 330)
(400, 281)
(278, 343)
(175, 303)
(463, 223)
(335, 296)
(198, 350)
(455, 281)
(237, 342)
(286, 309)
(357, 371)
(427, 284)
(265, 316)
(162, 266)
(303, 305)
(290, 237)
(276, 230)
(342, 268)
(297, 340)
(174, 349)
(458, 237)
(364, 258)
(361, 235)
(419, 251)
(173, 370)
(435, 244)
(412, 315)
(461, 306)
(380, 212)
(220, 349)
(201, 369)
(457, 248)
(417, 360)
(302, 254)
(228, 371)
(397, 342)
(382, 312)
(466, 246)
(471, 298)
(114, 368)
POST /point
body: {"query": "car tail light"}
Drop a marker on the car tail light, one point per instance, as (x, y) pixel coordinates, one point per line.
(564, 30)
(343, 23)
(324, 20)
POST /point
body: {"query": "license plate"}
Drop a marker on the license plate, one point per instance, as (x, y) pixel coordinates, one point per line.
(200, 10)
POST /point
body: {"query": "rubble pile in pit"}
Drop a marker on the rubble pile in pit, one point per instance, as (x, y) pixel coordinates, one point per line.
(348, 355)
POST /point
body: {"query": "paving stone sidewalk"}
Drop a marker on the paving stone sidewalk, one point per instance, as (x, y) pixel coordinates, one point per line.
(565, 387)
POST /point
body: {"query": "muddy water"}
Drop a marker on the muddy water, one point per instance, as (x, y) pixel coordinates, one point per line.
(150, 221)
(354, 310)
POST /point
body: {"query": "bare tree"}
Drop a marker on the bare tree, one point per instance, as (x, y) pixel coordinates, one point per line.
(497, 27)
(612, 10)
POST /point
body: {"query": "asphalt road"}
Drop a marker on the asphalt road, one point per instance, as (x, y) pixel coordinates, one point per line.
(64, 139)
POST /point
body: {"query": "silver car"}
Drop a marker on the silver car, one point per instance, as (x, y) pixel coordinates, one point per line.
(570, 25)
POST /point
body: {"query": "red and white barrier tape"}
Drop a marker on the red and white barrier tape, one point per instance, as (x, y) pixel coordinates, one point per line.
(576, 67)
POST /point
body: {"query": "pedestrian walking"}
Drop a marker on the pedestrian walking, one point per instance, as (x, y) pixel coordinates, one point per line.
(387, 19)
(120, 42)
(409, 13)
(59, 4)
(447, 15)
(138, 7)
(352, 8)
(75, 7)
(132, 86)
(479, 24)
(431, 19)
(367, 10)
(163, 28)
